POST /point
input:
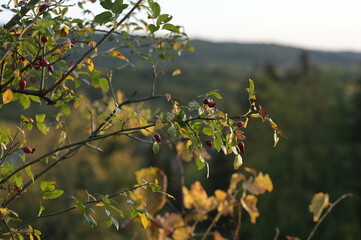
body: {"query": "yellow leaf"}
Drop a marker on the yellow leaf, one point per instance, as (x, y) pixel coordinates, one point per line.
(89, 30)
(70, 77)
(64, 32)
(143, 219)
(99, 205)
(218, 236)
(16, 3)
(7, 96)
(90, 64)
(118, 55)
(176, 72)
(249, 204)
(220, 195)
(319, 202)
(264, 182)
(92, 43)
(182, 233)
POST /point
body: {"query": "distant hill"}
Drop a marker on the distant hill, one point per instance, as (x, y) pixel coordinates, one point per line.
(246, 54)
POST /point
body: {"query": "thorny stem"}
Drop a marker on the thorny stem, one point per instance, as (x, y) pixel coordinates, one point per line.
(329, 209)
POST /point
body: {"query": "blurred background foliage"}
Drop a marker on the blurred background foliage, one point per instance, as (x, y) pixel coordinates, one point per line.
(314, 97)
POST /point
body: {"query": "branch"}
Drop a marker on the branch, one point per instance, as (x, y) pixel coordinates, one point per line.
(85, 203)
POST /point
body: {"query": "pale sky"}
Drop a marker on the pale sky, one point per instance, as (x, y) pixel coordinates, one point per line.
(316, 24)
(313, 24)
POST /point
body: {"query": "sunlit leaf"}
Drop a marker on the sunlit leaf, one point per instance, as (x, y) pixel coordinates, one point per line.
(238, 161)
(319, 202)
(7, 96)
(249, 203)
(155, 147)
(250, 90)
(118, 55)
(90, 64)
(176, 72)
(218, 236)
(143, 219)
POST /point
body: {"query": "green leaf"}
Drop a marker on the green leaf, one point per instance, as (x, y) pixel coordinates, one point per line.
(65, 109)
(152, 28)
(120, 212)
(208, 131)
(24, 101)
(41, 209)
(42, 127)
(104, 85)
(52, 194)
(30, 173)
(215, 94)
(118, 7)
(171, 27)
(103, 17)
(155, 8)
(47, 186)
(164, 18)
(40, 117)
(155, 147)
(108, 221)
(217, 142)
(250, 90)
(173, 132)
(107, 4)
(200, 162)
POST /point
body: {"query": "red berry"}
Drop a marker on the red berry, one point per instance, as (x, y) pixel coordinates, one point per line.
(28, 150)
(23, 57)
(19, 189)
(209, 143)
(74, 42)
(211, 104)
(240, 124)
(22, 84)
(37, 66)
(44, 39)
(51, 68)
(157, 137)
(241, 146)
(43, 7)
(43, 62)
(205, 101)
(30, 120)
(14, 31)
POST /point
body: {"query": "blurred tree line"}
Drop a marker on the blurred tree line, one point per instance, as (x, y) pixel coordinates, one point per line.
(316, 105)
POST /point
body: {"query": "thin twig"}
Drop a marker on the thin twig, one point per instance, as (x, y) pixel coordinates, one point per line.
(85, 203)
(215, 220)
(329, 209)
